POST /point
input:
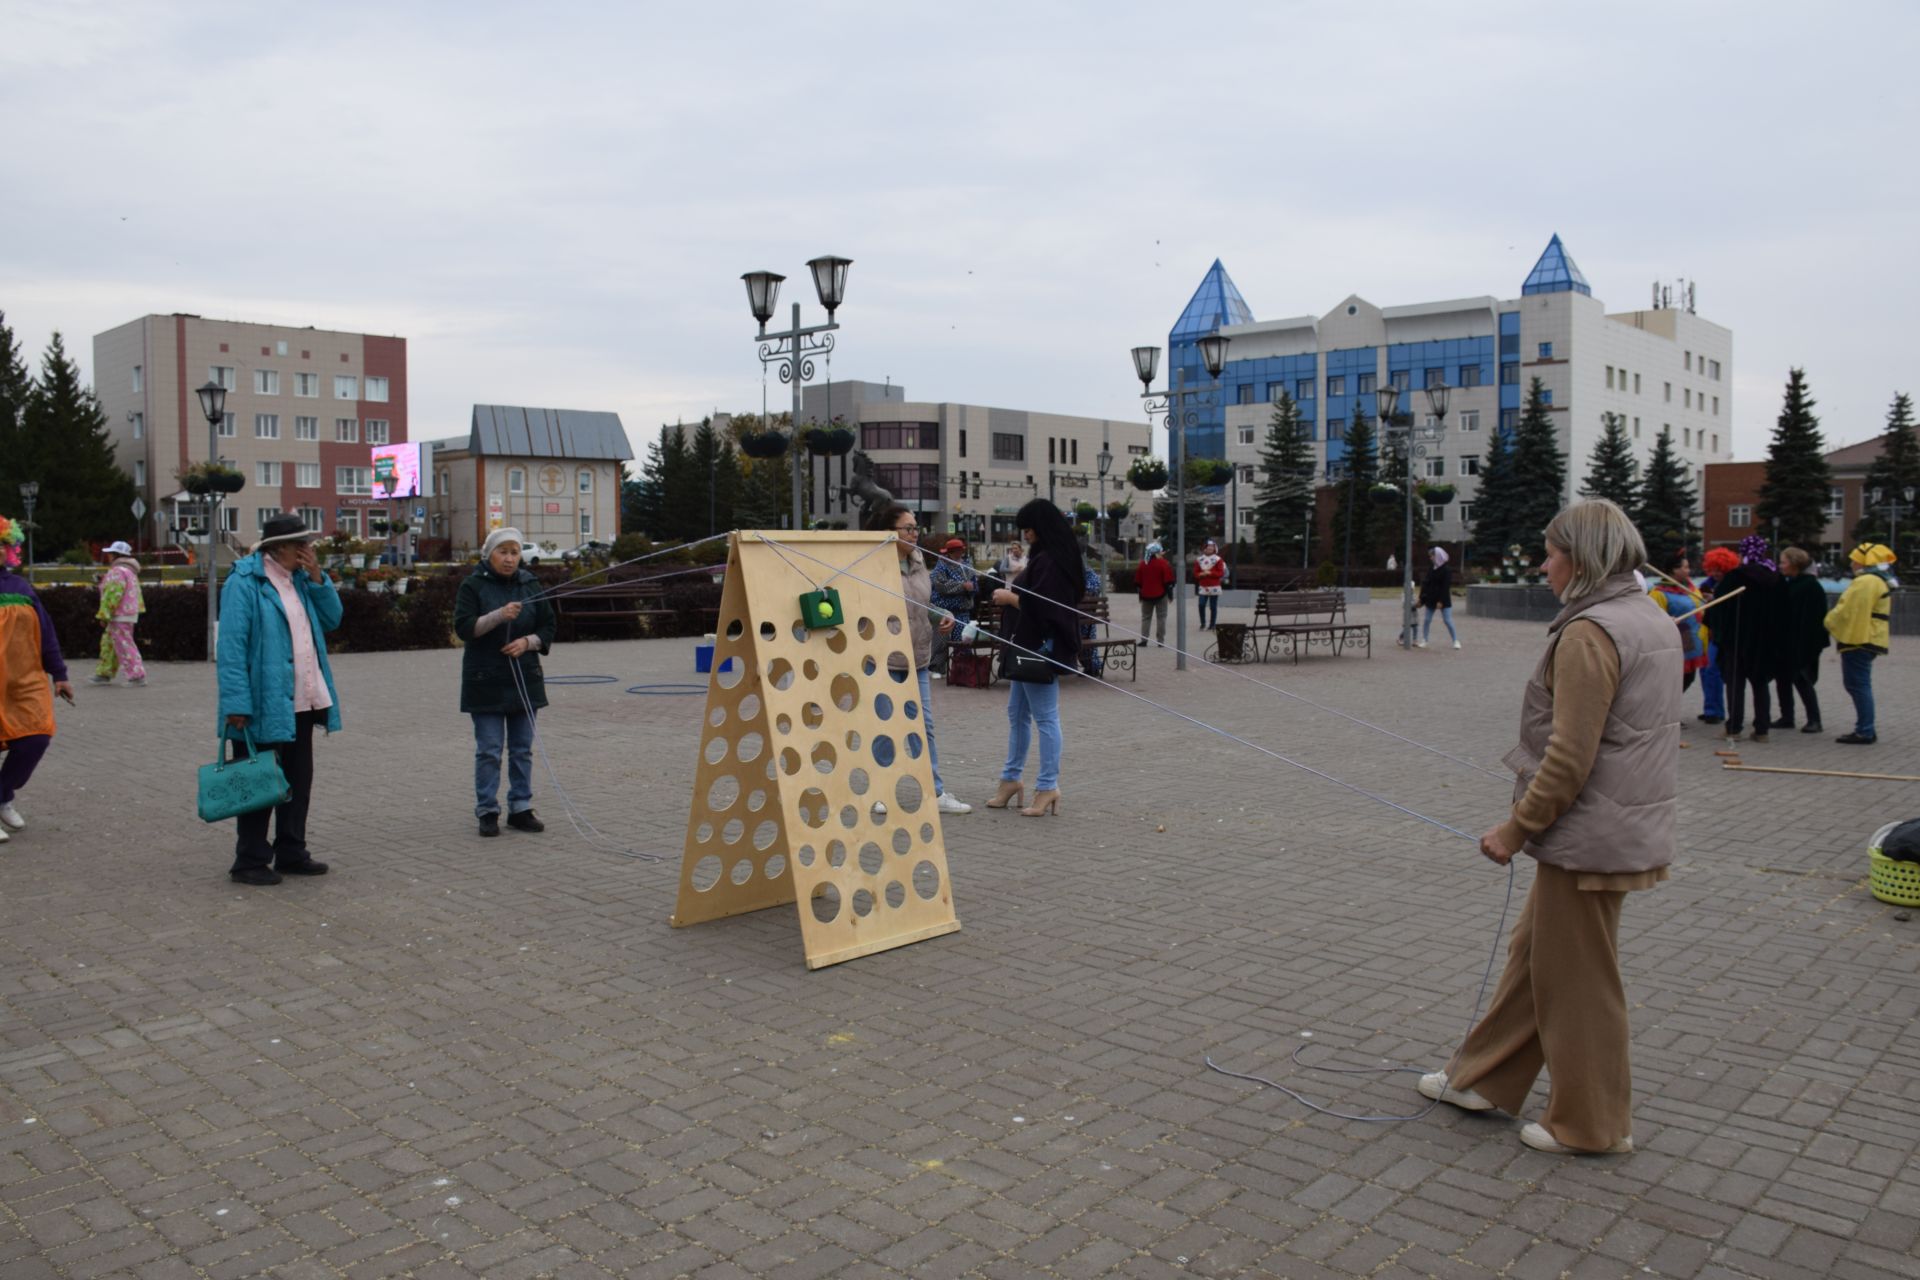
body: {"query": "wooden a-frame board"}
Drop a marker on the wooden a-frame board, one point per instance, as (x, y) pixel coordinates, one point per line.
(815, 783)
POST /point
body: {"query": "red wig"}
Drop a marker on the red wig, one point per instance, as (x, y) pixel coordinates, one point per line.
(1720, 561)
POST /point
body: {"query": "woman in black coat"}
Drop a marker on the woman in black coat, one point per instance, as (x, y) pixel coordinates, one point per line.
(1805, 612)
(506, 627)
(1050, 590)
(1751, 632)
(1436, 593)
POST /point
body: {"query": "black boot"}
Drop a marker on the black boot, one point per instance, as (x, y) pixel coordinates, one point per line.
(489, 824)
(525, 821)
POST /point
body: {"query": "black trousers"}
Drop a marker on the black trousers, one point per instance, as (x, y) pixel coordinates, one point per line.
(289, 845)
(1738, 682)
(1801, 680)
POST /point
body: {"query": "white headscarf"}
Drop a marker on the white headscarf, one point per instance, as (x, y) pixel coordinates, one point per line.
(1439, 555)
(497, 537)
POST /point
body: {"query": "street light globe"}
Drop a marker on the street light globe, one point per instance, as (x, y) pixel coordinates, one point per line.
(1213, 353)
(1437, 396)
(763, 291)
(830, 281)
(1146, 363)
(213, 401)
(1386, 401)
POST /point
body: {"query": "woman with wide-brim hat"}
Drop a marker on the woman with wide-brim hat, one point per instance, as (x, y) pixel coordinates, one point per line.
(276, 686)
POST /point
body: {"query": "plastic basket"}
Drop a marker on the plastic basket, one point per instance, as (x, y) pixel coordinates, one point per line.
(1894, 881)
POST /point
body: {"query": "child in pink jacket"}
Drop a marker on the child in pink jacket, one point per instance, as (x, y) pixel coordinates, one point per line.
(120, 608)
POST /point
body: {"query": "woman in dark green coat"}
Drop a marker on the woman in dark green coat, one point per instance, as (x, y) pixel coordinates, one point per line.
(506, 625)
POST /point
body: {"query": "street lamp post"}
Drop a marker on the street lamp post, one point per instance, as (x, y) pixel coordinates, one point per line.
(1891, 509)
(791, 351)
(1103, 461)
(213, 403)
(1410, 442)
(30, 495)
(1182, 407)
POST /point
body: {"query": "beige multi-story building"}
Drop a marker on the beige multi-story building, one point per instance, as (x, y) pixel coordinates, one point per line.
(966, 468)
(553, 474)
(303, 408)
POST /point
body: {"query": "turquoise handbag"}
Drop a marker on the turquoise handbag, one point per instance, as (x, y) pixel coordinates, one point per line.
(229, 788)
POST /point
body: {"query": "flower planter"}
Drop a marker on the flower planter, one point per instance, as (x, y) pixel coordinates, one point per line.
(1148, 475)
(764, 444)
(1384, 495)
(828, 441)
(1438, 494)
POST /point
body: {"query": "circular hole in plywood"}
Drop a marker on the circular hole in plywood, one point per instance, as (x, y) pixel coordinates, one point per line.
(756, 801)
(765, 834)
(893, 624)
(896, 894)
(813, 807)
(836, 854)
(780, 673)
(776, 866)
(868, 666)
(724, 791)
(902, 840)
(907, 794)
(742, 871)
(858, 781)
(805, 855)
(703, 833)
(812, 715)
(926, 880)
(878, 812)
(799, 633)
(825, 757)
(733, 831)
(926, 833)
(883, 750)
(837, 640)
(914, 746)
(909, 708)
(853, 740)
(882, 706)
(729, 672)
(717, 716)
(750, 745)
(826, 902)
(849, 816)
(767, 631)
(810, 669)
(899, 666)
(863, 902)
(749, 705)
(736, 629)
(871, 858)
(865, 628)
(716, 749)
(844, 692)
(706, 873)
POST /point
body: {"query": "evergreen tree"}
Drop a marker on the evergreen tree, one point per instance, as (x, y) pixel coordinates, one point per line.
(1613, 472)
(1199, 527)
(83, 493)
(1389, 533)
(1354, 518)
(16, 385)
(1666, 510)
(1896, 470)
(716, 478)
(1493, 515)
(1539, 473)
(1793, 496)
(641, 507)
(1283, 500)
(683, 489)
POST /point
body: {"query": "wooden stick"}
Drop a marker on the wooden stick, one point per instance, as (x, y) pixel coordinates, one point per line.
(1669, 577)
(1709, 604)
(1824, 773)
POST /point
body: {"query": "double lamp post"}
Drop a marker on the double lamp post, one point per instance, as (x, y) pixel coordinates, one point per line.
(1182, 407)
(791, 351)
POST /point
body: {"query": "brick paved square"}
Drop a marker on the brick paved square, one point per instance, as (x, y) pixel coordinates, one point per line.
(465, 1057)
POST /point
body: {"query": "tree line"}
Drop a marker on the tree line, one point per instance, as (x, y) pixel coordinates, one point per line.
(53, 433)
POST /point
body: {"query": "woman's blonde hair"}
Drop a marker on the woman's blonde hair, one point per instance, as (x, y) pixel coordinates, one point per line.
(1796, 557)
(1600, 540)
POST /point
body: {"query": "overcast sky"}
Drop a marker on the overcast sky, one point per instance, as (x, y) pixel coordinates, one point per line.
(553, 204)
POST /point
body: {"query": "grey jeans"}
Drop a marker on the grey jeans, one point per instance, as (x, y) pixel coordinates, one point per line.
(1150, 610)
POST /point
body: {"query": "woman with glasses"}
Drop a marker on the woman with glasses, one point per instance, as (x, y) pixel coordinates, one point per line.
(917, 586)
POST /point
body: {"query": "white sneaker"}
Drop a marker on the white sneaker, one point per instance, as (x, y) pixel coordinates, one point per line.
(99, 679)
(1419, 644)
(947, 804)
(1537, 1137)
(1434, 1085)
(1456, 644)
(4, 837)
(11, 817)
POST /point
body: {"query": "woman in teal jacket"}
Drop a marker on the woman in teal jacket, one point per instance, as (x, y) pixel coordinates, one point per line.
(277, 687)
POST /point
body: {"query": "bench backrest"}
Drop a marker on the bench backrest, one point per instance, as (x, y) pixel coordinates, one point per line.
(1295, 604)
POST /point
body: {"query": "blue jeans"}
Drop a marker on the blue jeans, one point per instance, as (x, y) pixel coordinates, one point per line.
(1856, 677)
(492, 735)
(1713, 690)
(1037, 705)
(1446, 616)
(926, 719)
(1207, 604)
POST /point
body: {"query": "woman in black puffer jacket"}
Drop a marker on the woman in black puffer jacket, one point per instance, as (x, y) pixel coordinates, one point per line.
(506, 627)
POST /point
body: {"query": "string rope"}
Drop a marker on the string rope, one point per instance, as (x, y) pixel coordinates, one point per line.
(583, 828)
(807, 577)
(651, 555)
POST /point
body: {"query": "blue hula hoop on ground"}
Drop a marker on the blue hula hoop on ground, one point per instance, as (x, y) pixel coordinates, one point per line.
(582, 679)
(670, 690)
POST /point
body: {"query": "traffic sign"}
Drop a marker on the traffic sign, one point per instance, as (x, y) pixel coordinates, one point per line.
(139, 508)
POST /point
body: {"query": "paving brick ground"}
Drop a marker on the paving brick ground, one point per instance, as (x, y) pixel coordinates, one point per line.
(455, 1057)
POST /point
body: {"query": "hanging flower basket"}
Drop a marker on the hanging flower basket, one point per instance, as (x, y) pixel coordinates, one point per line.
(828, 441)
(1119, 510)
(1385, 495)
(764, 444)
(1438, 494)
(1085, 512)
(1147, 474)
(208, 477)
(1207, 471)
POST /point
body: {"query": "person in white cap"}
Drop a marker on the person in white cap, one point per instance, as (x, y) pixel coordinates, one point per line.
(276, 686)
(506, 625)
(120, 608)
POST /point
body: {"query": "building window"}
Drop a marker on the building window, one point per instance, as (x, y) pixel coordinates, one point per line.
(1469, 419)
(1051, 460)
(586, 524)
(1636, 384)
(1716, 406)
(346, 387)
(446, 484)
(1431, 421)
(1365, 384)
(963, 442)
(222, 374)
(266, 474)
(347, 521)
(263, 514)
(1470, 465)
(1246, 435)
(137, 380)
(1636, 428)
(1687, 361)
(586, 479)
(900, 435)
(306, 428)
(1246, 516)
(376, 389)
(309, 517)
(1546, 351)
(1509, 375)
(1008, 447)
(266, 426)
(1466, 513)
(353, 480)
(1246, 474)
(912, 481)
(1336, 386)
(1274, 391)
(227, 427)
(516, 481)
(1400, 379)
(1686, 436)
(1686, 397)
(140, 472)
(1509, 419)
(1739, 516)
(306, 475)
(306, 385)
(139, 425)
(229, 519)
(266, 382)
(1436, 468)
(1246, 393)
(1303, 389)
(1714, 365)
(1836, 502)
(1436, 512)
(1716, 442)
(1469, 375)
(1546, 395)
(1609, 377)
(1669, 392)
(346, 430)
(376, 431)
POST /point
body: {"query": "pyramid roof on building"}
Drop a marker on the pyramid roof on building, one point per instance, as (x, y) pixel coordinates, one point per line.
(1555, 273)
(507, 430)
(1214, 305)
